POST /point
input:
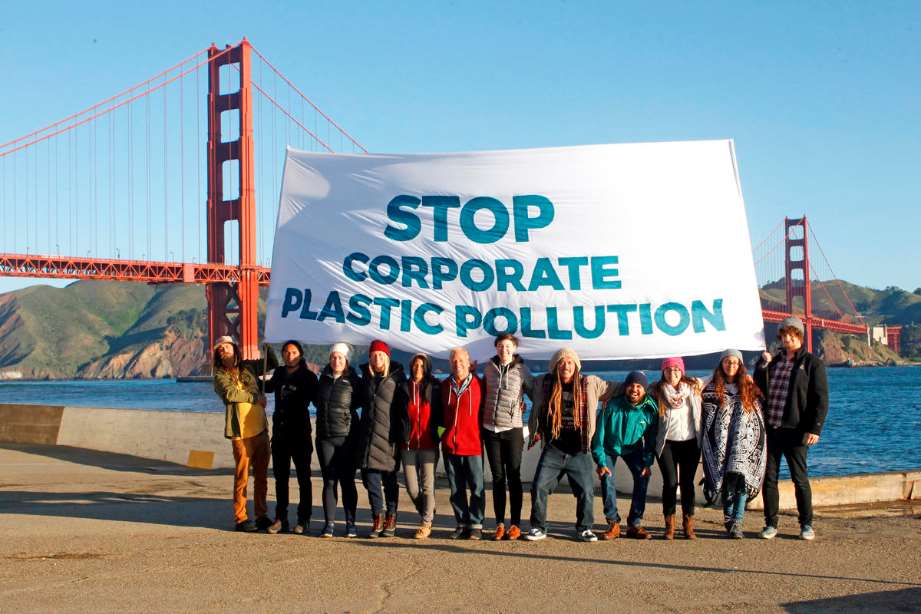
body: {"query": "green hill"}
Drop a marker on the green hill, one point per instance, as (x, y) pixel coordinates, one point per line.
(95, 329)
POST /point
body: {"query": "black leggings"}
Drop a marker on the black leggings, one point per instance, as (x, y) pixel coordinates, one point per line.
(678, 463)
(337, 463)
(504, 453)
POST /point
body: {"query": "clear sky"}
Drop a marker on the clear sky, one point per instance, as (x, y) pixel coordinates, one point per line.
(823, 99)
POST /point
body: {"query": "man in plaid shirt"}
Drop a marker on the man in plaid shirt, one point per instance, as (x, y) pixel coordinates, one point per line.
(796, 388)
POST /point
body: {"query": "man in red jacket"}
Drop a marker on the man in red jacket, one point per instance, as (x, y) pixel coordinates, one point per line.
(462, 397)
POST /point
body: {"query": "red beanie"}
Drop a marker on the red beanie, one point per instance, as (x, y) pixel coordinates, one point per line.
(379, 346)
(673, 362)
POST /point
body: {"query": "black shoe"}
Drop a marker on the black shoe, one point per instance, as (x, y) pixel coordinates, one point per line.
(263, 523)
(459, 533)
(247, 526)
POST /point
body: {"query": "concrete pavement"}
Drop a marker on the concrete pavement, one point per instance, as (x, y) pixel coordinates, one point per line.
(83, 530)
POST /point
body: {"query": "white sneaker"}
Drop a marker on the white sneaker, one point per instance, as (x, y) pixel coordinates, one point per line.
(535, 534)
(768, 532)
(588, 536)
(807, 532)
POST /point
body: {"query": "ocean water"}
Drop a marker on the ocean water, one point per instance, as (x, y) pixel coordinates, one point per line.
(874, 419)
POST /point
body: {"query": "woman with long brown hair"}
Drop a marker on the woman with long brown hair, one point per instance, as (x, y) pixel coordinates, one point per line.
(734, 438)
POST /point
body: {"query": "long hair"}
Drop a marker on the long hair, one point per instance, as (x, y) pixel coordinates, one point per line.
(658, 390)
(217, 363)
(748, 390)
(385, 372)
(555, 404)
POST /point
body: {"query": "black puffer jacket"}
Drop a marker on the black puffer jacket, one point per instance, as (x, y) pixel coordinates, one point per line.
(337, 401)
(293, 394)
(380, 432)
(806, 405)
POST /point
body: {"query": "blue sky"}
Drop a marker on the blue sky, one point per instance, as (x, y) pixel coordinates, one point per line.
(822, 98)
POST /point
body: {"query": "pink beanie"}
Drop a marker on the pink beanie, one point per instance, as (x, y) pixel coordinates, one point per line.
(675, 361)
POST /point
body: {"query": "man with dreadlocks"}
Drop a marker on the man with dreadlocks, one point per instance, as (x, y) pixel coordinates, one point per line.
(563, 417)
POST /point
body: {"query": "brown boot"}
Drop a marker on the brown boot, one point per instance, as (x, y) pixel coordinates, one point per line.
(638, 533)
(669, 526)
(613, 531)
(424, 530)
(688, 525)
(376, 526)
(390, 526)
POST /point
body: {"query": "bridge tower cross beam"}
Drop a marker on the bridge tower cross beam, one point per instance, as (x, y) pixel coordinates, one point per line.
(232, 307)
(796, 263)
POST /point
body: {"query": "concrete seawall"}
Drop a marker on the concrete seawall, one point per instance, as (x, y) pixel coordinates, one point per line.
(196, 440)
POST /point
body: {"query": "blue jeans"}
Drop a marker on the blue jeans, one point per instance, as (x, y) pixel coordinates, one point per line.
(734, 497)
(466, 472)
(634, 461)
(551, 468)
(373, 479)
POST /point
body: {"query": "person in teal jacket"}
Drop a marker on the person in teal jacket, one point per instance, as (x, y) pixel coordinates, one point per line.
(626, 428)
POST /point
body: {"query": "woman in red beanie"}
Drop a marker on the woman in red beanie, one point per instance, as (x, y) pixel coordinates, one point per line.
(678, 442)
(379, 436)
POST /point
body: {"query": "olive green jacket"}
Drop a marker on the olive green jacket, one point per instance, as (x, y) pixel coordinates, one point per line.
(232, 392)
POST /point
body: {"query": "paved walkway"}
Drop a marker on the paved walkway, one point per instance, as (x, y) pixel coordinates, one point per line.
(83, 530)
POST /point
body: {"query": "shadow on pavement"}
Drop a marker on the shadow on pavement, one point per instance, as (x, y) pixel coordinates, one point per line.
(905, 600)
(110, 460)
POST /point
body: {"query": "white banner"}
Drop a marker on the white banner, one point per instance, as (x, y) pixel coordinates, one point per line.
(619, 251)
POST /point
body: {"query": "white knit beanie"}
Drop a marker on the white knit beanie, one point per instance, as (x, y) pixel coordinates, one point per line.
(341, 348)
(565, 353)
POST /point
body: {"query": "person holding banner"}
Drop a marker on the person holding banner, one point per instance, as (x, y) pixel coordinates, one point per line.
(420, 417)
(295, 387)
(338, 398)
(246, 426)
(678, 442)
(382, 399)
(734, 440)
(507, 379)
(563, 418)
(462, 400)
(627, 428)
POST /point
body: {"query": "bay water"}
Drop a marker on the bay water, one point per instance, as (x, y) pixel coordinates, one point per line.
(873, 425)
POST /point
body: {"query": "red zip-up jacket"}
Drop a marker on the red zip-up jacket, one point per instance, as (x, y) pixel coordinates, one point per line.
(462, 418)
(419, 412)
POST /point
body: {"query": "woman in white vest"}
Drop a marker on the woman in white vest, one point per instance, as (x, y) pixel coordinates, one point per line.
(507, 381)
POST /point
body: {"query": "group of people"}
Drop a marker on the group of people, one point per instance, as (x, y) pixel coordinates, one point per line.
(739, 424)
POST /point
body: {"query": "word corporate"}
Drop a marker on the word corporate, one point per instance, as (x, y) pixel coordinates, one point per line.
(570, 273)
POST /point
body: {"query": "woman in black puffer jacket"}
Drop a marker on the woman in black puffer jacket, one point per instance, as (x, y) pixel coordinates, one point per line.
(338, 398)
(380, 436)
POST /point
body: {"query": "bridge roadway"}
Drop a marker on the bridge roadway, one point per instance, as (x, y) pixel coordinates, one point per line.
(82, 530)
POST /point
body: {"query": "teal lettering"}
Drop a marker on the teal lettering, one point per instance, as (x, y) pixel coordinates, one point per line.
(411, 223)
(440, 205)
(292, 302)
(699, 313)
(489, 321)
(422, 324)
(332, 309)
(553, 326)
(509, 272)
(623, 325)
(578, 313)
(468, 220)
(544, 275)
(349, 269)
(466, 317)
(359, 314)
(386, 304)
(575, 276)
(602, 271)
(466, 275)
(523, 223)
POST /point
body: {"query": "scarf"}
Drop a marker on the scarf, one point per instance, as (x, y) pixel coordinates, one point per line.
(676, 398)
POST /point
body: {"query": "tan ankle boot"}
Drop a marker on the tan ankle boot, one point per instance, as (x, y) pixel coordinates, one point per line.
(424, 530)
(669, 526)
(688, 525)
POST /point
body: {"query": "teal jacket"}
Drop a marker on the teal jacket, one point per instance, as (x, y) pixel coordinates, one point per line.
(622, 427)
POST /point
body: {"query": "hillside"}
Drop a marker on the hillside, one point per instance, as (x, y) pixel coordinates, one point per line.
(93, 329)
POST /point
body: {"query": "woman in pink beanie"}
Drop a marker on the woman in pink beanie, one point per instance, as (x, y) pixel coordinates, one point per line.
(678, 442)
